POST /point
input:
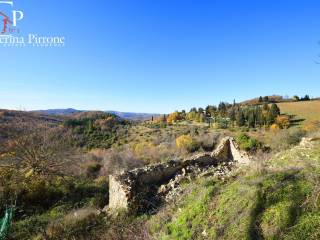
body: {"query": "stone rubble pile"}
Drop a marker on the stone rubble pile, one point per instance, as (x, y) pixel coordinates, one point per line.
(172, 190)
(144, 188)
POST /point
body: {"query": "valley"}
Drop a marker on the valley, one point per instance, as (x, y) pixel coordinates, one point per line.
(56, 170)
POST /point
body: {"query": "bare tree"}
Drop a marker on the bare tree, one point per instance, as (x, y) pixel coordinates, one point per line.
(37, 149)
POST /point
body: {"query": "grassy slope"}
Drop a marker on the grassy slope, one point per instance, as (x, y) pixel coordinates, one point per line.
(276, 201)
(309, 110)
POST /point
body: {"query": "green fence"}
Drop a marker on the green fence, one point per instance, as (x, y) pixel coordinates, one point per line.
(5, 223)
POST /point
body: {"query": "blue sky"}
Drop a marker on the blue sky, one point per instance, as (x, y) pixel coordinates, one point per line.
(161, 55)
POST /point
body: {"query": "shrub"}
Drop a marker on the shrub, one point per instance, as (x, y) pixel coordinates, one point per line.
(286, 138)
(248, 143)
(274, 127)
(186, 142)
(93, 169)
(311, 126)
(207, 141)
(174, 117)
(283, 121)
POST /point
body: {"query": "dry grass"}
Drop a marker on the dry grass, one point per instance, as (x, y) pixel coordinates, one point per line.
(308, 110)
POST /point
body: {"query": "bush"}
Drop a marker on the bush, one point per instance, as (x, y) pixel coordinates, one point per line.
(311, 126)
(274, 127)
(248, 143)
(285, 138)
(93, 169)
(283, 121)
(207, 141)
(186, 142)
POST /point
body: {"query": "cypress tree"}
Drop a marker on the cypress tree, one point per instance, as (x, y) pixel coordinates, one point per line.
(270, 118)
(275, 110)
(265, 107)
(259, 116)
(240, 118)
(251, 119)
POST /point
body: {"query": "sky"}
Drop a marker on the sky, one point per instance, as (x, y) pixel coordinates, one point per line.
(159, 56)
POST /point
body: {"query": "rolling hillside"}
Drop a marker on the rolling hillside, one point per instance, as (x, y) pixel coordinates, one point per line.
(125, 115)
(308, 110)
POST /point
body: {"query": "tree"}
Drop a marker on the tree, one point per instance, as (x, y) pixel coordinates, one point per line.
(275, 110)
(200, 110)
(306, 98)
(163, 118)
(232, 114)
(251, 119)
(222, 109)
(194, 109)
(183, 114)
(186, 142)
(260, 99)
(265, 107)
(296, 98)
(266, 99)
(39, 151)
(270, 119)
(202, 118)
(174, 117)
(259, 116)
(240, 118)
(211, 110)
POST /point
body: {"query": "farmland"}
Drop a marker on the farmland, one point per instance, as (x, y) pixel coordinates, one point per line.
(308, 110)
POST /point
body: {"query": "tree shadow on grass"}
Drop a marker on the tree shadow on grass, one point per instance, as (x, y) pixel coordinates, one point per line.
(295, 121)
(264, 202)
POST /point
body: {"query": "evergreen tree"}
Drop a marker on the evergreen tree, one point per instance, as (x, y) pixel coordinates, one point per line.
(306, 98)
(193, 109)
(275, 110)
(251, 119)
(240, 118)
(260, 99)
(270, 119)
(232, 114)
(259, 117)
(164, 118)
(222, 109)
(296, 98)
(200, 110)
(211, 110)
(202, 117)
(265, 107)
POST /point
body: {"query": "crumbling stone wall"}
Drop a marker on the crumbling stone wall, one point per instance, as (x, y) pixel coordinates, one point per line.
(138, 188)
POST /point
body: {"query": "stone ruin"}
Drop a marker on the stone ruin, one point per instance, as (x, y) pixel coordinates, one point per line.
(143, 189)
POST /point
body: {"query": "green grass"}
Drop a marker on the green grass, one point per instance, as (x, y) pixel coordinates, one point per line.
(279, 202)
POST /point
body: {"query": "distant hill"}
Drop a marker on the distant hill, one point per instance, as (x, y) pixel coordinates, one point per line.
(135, 116)
(125, 115)
(271, 98)
(12, 122)
(64, 112)
(8, 116)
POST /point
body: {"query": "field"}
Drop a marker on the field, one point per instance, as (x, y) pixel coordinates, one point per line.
(308, 110)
